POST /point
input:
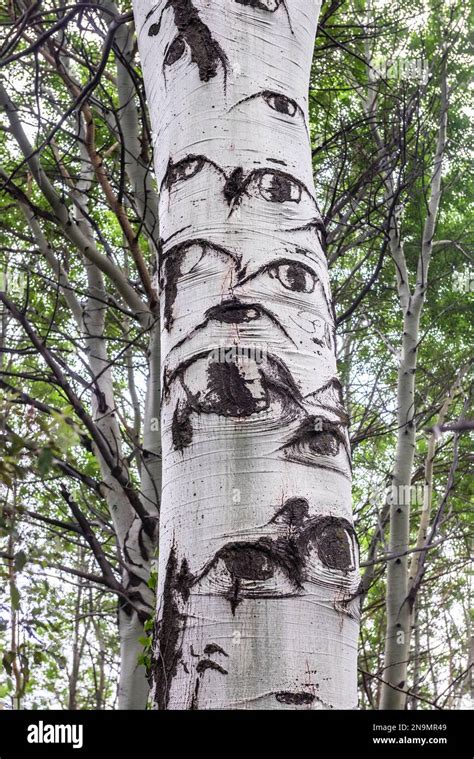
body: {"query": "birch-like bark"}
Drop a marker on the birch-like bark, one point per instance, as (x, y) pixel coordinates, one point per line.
(398, 605)
(258, 567)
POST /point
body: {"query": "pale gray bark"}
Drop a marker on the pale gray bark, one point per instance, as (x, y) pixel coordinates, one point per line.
(135, 542)
(398, 603)
(258, 570)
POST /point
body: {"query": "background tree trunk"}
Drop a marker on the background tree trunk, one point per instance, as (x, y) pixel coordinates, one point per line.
(398, 602)
(258, 570)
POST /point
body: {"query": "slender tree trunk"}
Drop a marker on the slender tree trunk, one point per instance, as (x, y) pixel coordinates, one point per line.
(77, 642)
(135, 545)
(258, 567)
(398, 602)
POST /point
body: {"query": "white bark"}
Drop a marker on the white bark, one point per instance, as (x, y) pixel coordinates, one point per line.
(135, 542)
(398, 603)
(258, 557)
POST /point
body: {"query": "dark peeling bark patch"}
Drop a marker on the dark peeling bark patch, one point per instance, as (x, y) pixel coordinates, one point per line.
(172, 274)
(229, 394)
(206, 664)
(296, 277)
(298, 699)
(247, 562)
(194, 699)
(263, 5)
(175, 51)
(184, 580)
(335, 541)
(168, 634)
(294, 512)
(233, 312)
(181, 427)
(257, 562)
(316, 437)
(293, 275)
(170, 627)
(206, 53)
(233, 185)
(334, 546)
(279, 188)
(213, 648)
(185, 169)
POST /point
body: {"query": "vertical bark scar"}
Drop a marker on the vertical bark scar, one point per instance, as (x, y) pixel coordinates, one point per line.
(206, 52)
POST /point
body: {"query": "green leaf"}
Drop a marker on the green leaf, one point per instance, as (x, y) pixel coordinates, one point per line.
(15, 597)
(7, 660)
(19, 561)
(45, 459)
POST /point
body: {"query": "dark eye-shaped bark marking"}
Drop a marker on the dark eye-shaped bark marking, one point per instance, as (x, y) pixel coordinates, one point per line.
(229, 393)
(278, 567)
(294, 276)
(235, 312)
(264, 569)
(213, 648)
(297, 699)
(264, 5)
(273, 185)
(187, 168)
(316, 438)
(290, 272)
(277, 102)
(171, 264)
(294, 512)
(206, 53)
(205, 664)
(316, 225)
(248, 562)
(267, 5)
(335, 547)
(329, 396)
(279, 188)
(175, 51)
(280, 103)
(335, 541)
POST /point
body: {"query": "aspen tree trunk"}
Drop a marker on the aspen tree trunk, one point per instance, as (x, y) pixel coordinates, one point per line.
(258, 571)
(399, 604)
(135, 534)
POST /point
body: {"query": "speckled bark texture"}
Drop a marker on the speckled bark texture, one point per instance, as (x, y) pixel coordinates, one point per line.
(258, 579)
